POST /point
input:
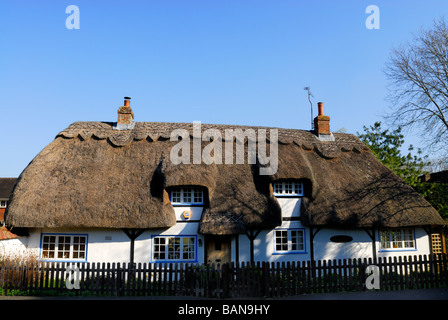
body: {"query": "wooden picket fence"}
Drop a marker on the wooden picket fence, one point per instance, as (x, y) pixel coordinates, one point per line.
(261, 279)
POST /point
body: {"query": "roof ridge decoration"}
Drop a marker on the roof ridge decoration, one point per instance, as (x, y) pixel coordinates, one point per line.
(154, 131)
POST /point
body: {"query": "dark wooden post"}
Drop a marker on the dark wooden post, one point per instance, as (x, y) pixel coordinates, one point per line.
(372, 236)
(132, 235)
(312, 235)
(252, 235)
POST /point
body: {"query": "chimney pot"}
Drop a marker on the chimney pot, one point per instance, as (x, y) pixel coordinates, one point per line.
(320, 106)
(127, 102)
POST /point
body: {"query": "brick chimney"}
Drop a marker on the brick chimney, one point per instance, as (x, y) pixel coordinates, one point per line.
(322, 122)
(125, 116)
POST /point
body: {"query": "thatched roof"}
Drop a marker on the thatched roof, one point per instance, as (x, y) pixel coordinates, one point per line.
(6, 186)
(94, 176)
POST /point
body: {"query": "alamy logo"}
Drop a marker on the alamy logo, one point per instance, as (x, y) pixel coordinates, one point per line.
(213, 152)
(72, 277)
(72, 21)
(373, 20)
(373, 280)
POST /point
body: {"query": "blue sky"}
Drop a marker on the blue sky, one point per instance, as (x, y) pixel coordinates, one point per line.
(228, 62)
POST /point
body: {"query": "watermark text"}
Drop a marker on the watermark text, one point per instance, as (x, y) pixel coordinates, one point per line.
(186, 152)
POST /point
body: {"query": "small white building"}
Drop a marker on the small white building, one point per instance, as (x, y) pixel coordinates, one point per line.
(111, 192)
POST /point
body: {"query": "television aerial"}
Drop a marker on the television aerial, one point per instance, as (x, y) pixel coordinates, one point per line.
(311, 105)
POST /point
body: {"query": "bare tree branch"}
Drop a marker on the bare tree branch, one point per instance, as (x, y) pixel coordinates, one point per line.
(418, 85)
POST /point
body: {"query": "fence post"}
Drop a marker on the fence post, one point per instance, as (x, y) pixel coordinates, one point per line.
(361, 279)
(225, 280)
(445, 268)
(6, 275)
(432, 268)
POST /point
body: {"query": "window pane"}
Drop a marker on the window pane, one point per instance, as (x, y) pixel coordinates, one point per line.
(396, 239)
(408, 238)
(297, 240)
(197, 192)
(293, 240)
(79, 247)
(277, 187)
(175, 196)
(187, 195)
(159, 248)
(48, 247)
(385, 242)
(281, 240)
(299, 188)
(63, 247)
(188, 248)
(288, 188)
(173, 248)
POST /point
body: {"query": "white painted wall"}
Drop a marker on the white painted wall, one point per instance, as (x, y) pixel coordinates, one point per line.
(290, 207)
(360, 247)
(14, 248)
(112, 245)
(264, 246)
(324, 248)
(264, 243)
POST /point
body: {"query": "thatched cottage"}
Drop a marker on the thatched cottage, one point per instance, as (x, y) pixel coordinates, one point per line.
(110, 191)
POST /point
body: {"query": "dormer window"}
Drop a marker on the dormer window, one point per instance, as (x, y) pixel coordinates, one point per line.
(187, 196)
(288, 188)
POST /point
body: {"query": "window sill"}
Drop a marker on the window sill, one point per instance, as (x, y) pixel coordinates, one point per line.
(288, 195)
(397, 250)
(62, 260)
(292, 252)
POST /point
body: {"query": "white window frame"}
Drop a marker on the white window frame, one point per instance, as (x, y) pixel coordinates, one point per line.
(290, 240)
(57, 251)
(3, 203)
(174, 248)
(288, 188)
(187, 195)
(397, 240)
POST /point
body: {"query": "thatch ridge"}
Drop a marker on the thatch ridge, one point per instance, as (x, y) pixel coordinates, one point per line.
(153, 131)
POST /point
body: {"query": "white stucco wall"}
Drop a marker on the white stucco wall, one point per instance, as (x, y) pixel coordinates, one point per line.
(361, 246)
(113, 245)
(12, 248)
(324, 248)
(264, 243)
